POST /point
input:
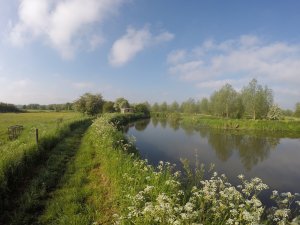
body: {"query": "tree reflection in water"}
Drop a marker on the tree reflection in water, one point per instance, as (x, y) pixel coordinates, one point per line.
(252, 148)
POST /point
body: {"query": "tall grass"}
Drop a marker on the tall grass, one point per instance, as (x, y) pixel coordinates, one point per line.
(18, 157)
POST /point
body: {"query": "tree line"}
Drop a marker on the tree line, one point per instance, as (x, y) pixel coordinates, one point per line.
(54, 107)
(253, 101)
(6, 107)
(92, 104)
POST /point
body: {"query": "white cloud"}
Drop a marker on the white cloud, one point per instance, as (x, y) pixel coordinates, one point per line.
(235, 61)
(176, 56)
(60, 22)
(134, 41)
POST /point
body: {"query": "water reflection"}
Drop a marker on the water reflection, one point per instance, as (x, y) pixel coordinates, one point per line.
(142, 124)
(251, 148)
(269, 156)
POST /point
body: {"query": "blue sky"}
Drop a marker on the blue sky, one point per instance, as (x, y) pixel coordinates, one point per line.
(52, 51)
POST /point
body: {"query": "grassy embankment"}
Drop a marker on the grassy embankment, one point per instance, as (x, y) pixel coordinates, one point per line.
(289, 125)
(106, 183)
(19, 158)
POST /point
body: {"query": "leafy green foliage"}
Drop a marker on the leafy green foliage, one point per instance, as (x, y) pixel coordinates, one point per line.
(257, 100)
(121, 103)
(274, 113)
(90, 104)
(142, 108)
(108, 107)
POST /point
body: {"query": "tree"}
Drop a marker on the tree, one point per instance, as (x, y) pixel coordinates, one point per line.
(257, 100)
(142, 108)
(174, 107)
(224, 101)
(91, 104)
(5, 107)
(108, 107)
(297, 110)
(189, 106)
(163, 107)
(274, 113)
(155, 107)
(121, 103)
(203, 106)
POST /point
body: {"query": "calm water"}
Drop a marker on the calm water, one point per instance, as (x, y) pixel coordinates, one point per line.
(274, 159)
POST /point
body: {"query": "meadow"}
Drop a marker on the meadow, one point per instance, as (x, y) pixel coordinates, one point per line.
(19, 157)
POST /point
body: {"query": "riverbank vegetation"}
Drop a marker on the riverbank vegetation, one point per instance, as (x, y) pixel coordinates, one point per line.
(253, 102)
(136, 193)
(287, 127)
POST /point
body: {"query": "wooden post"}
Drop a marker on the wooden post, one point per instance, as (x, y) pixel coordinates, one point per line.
(37, 136)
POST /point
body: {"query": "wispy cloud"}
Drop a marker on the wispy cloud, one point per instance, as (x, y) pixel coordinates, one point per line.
(236, 61)
(61, 23)
(134, 41)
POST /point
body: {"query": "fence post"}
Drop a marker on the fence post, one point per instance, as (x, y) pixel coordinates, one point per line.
(37, 136)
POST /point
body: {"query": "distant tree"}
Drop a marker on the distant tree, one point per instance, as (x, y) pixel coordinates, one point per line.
(274, 113)
(189, 106)
(142, 108)
(163, 107)
(287, 112)
(108, 107)
(203, 106)
(91, 104)
(155, 107)
(297, 110)
(121, 103)
(174, 107)
(6, 107)
(257, 100)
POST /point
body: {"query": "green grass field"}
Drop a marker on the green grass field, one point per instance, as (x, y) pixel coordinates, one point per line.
(19, 156)
(44, 121)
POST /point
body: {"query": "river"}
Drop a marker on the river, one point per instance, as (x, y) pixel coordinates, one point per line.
(274, 159)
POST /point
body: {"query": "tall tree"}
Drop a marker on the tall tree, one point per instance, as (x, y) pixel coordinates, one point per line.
(203, 106)
(257, 100)
(224, 101)
(189, 106)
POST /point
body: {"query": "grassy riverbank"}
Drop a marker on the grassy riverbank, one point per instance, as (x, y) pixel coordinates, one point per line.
(107, 184)
(289, 125)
